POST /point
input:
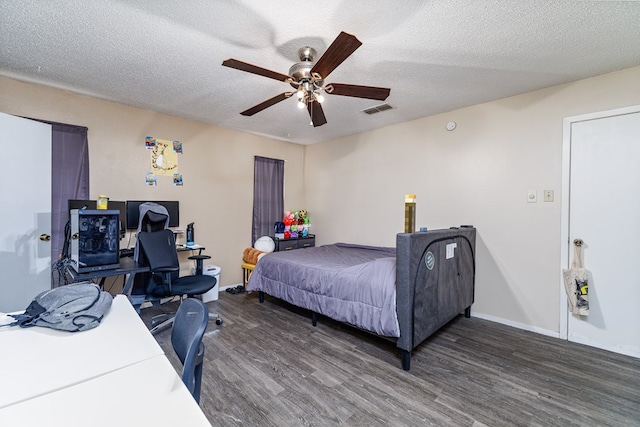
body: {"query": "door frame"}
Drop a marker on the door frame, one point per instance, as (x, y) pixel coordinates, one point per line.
(26, 257)
(566, 178)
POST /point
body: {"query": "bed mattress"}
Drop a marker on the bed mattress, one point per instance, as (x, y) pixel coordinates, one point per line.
(350, 283)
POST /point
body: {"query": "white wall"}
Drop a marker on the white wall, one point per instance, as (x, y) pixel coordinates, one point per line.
(353, 188)
(217, 165)
(478, 174)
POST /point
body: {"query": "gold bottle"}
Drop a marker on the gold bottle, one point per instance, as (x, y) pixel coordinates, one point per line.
(409, 213)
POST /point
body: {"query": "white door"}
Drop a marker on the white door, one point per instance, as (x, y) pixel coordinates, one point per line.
(604, 211)
(25, 209)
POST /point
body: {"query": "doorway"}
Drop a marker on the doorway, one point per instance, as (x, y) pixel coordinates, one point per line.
(25, 251)
(601, 206)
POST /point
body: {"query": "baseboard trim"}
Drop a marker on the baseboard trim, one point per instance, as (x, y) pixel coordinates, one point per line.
(611, 348)
(516, 324)
(223, 288)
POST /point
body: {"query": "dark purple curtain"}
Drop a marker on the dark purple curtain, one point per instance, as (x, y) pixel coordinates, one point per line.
(69, 180)
(268, 196)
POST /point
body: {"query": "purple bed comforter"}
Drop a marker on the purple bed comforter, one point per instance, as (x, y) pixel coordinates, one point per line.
(349, 283)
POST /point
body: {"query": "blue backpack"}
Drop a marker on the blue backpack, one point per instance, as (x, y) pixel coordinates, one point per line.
(74, 308)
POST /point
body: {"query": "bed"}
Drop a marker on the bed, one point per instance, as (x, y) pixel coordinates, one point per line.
(404, 293)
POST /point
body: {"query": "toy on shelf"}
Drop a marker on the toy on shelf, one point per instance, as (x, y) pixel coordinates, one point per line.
(303, 221)
(287, 227)
(294, 224)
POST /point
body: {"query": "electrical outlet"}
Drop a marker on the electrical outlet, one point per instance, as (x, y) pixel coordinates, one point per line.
(548, 195)
(532, 196)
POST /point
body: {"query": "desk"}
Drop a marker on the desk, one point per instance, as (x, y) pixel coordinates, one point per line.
(149, 393)
(181, 248)
(128, 267)
(35, 361)
(115, 374)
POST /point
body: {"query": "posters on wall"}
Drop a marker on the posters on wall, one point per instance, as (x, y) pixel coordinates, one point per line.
(163, 160)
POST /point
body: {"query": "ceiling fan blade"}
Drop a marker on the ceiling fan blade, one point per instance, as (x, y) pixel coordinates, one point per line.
(316, 113)
(343, 46)
(249, 68)
(368, 92)
(266, 104)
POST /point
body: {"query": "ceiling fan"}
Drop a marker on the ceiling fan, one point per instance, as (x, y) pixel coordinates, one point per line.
(307, 77)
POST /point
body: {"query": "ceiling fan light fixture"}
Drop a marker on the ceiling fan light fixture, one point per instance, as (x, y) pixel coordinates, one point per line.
(307, 79)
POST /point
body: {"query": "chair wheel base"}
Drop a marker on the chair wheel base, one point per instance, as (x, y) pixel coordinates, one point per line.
(218, 322)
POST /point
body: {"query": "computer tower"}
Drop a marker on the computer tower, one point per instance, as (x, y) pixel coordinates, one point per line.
(95, 239)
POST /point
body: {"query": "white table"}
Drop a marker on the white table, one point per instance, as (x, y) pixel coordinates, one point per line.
(110, 375)
(37, 360)
(148, 393)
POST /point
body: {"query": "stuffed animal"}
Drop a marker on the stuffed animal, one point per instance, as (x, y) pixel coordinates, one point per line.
(296, 224)
(252, 256)
(287, 226)
(305, 227)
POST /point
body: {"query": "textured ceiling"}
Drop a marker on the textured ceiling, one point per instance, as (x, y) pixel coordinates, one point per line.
(436, 56)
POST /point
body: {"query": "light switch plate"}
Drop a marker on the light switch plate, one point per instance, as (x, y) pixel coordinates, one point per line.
(532, 196)
(548, 195)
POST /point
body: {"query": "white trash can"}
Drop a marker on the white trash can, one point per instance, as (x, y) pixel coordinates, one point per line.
(212, 294)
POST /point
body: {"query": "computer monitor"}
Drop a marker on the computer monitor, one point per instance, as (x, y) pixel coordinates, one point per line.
(112, 204)
(133, 212)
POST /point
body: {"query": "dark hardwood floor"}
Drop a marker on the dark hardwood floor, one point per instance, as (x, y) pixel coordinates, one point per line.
(268, 366)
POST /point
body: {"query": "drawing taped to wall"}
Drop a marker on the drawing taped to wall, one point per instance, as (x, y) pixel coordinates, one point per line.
(163, 155)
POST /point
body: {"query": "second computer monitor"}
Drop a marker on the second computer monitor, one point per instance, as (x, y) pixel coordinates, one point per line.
(133, 212)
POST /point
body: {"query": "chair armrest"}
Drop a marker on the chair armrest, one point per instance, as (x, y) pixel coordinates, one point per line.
(199, 257)
(165, 272)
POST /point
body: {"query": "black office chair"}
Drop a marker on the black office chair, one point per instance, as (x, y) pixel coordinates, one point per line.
(152, 217)
(186, 338)
(158, 251)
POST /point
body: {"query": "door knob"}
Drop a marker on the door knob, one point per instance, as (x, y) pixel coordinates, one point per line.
(45, 237)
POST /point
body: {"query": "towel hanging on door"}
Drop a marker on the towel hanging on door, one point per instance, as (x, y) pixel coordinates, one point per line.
(576, 283)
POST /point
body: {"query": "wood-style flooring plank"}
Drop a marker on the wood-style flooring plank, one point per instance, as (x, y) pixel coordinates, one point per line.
(268, 366)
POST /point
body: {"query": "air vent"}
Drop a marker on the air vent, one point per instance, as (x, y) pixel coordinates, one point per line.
(378, 109)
